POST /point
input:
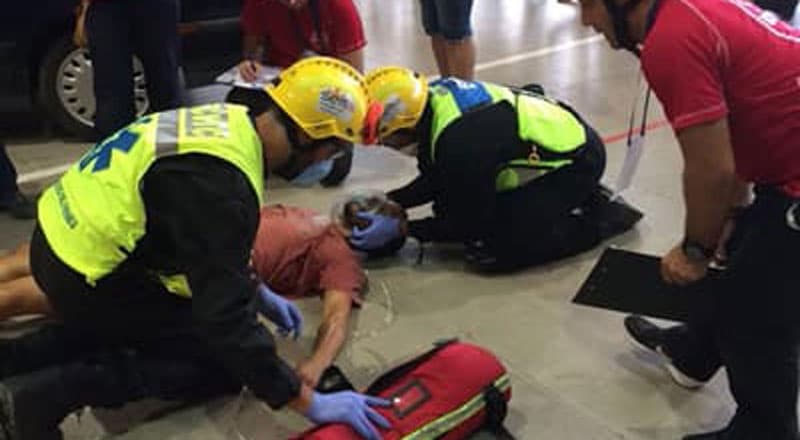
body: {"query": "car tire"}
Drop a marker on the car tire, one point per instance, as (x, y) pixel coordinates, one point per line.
(340, 171)
(65, 79)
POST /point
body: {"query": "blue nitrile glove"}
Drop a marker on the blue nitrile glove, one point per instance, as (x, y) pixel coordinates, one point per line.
(382, 229)
(350, 408)
(280, 311)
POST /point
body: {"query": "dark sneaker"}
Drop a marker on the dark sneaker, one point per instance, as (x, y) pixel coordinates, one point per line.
(482, 259)
(479, 258)
(20, 207)
(649, 337)
(20, 416)
(613, 217)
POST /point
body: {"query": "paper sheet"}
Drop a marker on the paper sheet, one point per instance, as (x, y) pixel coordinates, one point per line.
(629, 165)
(232, 77)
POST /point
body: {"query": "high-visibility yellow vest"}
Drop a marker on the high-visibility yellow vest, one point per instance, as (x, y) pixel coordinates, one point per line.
(94, 216)
(543, 123)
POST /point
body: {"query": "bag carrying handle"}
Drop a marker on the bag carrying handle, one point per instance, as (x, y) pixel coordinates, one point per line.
(496, 411)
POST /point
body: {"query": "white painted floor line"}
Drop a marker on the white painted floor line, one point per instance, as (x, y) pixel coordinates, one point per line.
(538, 53)
(45, 173)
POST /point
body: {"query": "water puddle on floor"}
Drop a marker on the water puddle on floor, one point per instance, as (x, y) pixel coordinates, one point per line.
(377, 313)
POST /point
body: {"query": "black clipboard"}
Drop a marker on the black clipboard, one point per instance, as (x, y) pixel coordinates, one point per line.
(631, 282)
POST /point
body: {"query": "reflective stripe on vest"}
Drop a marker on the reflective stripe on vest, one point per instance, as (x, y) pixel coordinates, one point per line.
(94, 216)
(540, 121)
(447, 422)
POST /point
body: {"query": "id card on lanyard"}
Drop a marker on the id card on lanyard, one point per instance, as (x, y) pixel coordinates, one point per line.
(635, 147)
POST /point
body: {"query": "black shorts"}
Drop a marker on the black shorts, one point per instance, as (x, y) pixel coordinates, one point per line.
(448, 18)
(125, 305)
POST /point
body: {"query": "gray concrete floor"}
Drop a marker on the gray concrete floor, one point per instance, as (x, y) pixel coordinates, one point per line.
(574, 374)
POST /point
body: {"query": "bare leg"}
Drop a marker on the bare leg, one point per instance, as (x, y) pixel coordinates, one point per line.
(16, 264)
(461, 58)
(23, 297)
(439, 45)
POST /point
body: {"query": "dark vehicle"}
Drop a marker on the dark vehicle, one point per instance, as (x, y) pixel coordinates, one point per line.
(41, 69)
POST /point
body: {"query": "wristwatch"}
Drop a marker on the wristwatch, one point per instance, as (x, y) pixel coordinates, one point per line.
(695, 251)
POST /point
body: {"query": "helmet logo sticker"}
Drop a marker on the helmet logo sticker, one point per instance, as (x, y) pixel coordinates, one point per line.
(337, 103)
(391, 108)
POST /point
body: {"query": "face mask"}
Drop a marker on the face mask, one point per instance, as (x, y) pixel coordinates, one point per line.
(409, 150)
(313, 174)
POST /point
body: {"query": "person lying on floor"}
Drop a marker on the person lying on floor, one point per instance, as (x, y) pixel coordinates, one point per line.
(297, 253)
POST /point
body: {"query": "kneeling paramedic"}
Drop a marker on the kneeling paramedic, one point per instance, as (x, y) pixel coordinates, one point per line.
(511, 173)
(142, 249)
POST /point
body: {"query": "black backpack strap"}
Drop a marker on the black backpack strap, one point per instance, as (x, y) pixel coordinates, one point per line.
(334, 380)
(496, 411)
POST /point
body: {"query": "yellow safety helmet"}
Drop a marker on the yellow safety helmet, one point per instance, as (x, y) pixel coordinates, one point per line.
(325, 97)
(403, 94)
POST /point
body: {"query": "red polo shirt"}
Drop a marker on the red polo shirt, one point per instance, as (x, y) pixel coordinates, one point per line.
(291, 32)
(708, 59)
(298, 253)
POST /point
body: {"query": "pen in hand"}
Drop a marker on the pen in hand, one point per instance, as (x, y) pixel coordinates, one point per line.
(255, 63)
(250, 67)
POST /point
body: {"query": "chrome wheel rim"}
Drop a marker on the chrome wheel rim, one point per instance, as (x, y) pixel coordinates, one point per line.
(75, 87)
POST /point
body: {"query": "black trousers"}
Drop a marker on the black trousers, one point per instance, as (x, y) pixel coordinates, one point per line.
(8, 177)
(134, 337)
(749, 324)
(535, 223)
(118, 30)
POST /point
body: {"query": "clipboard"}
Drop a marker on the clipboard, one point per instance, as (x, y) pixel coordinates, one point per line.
(631, 282)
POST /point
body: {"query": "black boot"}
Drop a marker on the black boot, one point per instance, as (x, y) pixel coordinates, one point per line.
(612, 217)
(34, 404)
(47, 346)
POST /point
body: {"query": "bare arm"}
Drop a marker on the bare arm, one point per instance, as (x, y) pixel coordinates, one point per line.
(354, 58)
(331, 335)
(710, 184)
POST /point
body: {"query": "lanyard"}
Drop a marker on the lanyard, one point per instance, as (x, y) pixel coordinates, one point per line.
(635, 141)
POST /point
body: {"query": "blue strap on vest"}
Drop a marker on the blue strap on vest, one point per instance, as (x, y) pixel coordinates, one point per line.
(468, 95)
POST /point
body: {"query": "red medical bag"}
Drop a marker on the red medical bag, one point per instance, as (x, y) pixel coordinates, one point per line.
(447, 393)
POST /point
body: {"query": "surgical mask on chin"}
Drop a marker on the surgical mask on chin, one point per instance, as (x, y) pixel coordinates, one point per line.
(409, 150)
(313, 174)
